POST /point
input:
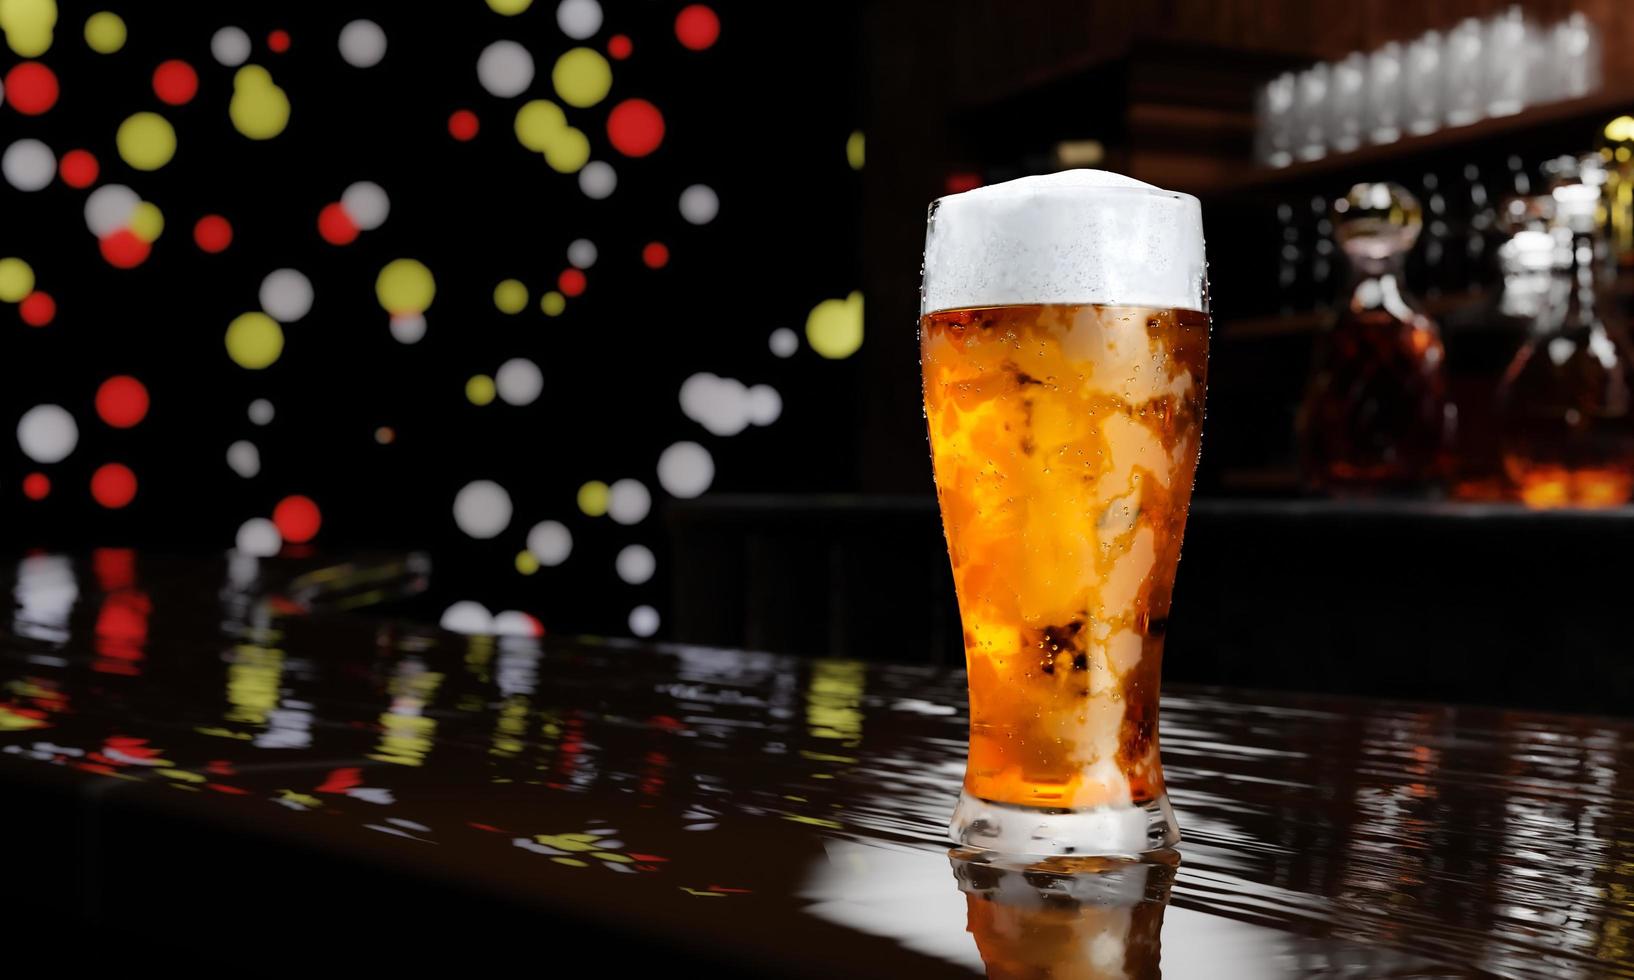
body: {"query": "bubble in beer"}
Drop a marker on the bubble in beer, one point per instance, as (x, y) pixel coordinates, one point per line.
(685, 470)
(635, 564)
(482, 509)
(550, 542)
(628, 501)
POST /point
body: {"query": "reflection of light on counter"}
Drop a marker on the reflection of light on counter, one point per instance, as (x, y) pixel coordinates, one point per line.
(253, 677)
(518, 672)
(834, 700)
(407, 734)
(45, 592)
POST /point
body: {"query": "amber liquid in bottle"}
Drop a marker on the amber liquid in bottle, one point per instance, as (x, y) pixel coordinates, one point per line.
(1566, 404)
(1374, 415)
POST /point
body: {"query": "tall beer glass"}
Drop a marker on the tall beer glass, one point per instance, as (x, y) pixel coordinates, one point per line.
(1064, 339)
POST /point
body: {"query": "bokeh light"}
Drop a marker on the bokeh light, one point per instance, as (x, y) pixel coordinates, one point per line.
(254, 340)
(463, 125)
(244, 458)
(550, 542)
(213, 233)
(482, 509)
(592, 498)
(582, 77)
(31, 88)
(113, 485)
(511, 296)
(36, 486)
(578, 19)
(635, 564)
(297, 518)
(78, 169)
(519, 381)
(105, 32)
(505, 69)
(122, 401)
(480, 390)
(655, 255)
(362, 44)
(230, 46)
(37, 309)
(259, 108)
(635, 127)
(685, 470)
(47, 433)
(175, 82)
(28, 165)
(552, 303)
(644, 621)
(146, 141)
(405, 286)
(287, 295)
(699, 204)
(834, 326)
(598, 180)
(697, 27)
(628, 502)
(258, 537)
(28, 25)
(783, 342)
(16, 279)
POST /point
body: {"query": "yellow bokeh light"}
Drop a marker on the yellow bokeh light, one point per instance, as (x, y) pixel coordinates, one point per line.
(147, 222)
(834, 327)
(146, 141)
(526, 563)
(538, 122)
(593, 498)
(568, 152)
(854, 150)
(254, 340)
(510, 8)
(553, 303)
(259, 108)
(405, 286)
(16, 280)
(480, 390)
(511, 296)
(28, 25)
(105, 32)
(582, 77)
(1620, 129)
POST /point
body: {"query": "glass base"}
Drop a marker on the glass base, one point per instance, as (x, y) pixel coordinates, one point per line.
(1123, 831)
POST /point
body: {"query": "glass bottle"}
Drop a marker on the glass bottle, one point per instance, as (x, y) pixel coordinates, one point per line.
(1566, 403)
(1375, 414)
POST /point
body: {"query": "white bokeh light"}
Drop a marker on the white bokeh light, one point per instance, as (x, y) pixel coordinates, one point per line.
(643, 621)
(505, 69)
(28, 165)
(598, 180)
(230, 46)
(699, 204)
(765, 404)
(470, 618)
(408, 328)
(685, 470)
(550, 542)
(635, 564)
(258, 537)
(783, 342)
(628, 501)
(514, 623)
(286, 295)
(482, 509)
(582, 253)
(519, 381)
(47, 433)
(366, 203)
(362, 43)
(109, 208)
(578, 19)
(261, 411)
(244, 458)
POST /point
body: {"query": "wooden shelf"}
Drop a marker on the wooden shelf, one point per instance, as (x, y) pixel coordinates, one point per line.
(1307, 321)
(1609, 102)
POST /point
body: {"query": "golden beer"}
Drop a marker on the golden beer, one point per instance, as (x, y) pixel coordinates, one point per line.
(1064, 438)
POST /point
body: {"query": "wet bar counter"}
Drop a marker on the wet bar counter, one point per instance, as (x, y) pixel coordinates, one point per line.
(227, 770)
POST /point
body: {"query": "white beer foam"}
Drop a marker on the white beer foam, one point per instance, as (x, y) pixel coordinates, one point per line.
(1079, 236)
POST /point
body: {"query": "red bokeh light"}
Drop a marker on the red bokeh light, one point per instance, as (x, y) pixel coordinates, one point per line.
(78, 168)
(958, 183)
(619, 47)
(122, 401)
(213, 233)
(336, 226)
(298, 518)
(571, 282)
(31, 88)
(463, 125)
(175, 82)
(697, 27)
(656, 255)
(278, 41)
(124, 250)
(36, 486)
(636, 127)
(37, 309)
(113, 485)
